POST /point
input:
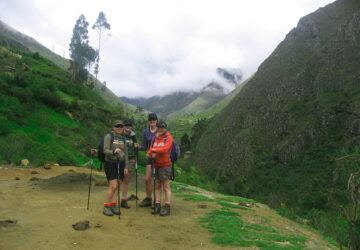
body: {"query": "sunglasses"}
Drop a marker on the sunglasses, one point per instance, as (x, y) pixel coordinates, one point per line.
(119, 126)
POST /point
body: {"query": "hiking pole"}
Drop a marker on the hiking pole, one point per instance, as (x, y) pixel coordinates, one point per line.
(136, 168)
(153, 166)
(118, 169)
(92, 161)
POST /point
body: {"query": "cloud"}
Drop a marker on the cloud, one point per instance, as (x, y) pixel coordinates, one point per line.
(161, 46)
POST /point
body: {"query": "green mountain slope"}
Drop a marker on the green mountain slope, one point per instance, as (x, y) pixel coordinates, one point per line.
(279, 138)
(10, 37)
(44, 116)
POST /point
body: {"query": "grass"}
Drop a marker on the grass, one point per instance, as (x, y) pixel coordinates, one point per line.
(229, 230)
(195, 197)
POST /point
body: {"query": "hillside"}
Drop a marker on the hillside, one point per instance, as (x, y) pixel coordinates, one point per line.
(282, 138)
(12, 38)
(45, 117)
(32, 217)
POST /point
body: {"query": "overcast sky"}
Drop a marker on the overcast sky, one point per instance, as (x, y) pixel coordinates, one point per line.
(157, 47)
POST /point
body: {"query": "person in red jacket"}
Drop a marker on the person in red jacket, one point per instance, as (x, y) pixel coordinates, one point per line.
(160, 153)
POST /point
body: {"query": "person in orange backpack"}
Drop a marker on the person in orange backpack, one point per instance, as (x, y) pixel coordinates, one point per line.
(160, 150)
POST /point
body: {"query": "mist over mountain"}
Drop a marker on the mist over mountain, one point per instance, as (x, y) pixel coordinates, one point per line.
(191, 101)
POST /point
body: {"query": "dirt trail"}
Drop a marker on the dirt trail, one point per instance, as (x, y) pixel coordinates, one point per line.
(38, 214)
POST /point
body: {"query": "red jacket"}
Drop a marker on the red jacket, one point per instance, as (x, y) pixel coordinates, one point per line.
(161, 149)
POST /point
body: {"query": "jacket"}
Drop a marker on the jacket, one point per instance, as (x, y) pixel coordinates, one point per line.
(119, 142)
(161, 149)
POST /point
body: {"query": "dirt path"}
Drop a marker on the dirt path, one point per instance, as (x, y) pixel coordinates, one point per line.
(40, 214)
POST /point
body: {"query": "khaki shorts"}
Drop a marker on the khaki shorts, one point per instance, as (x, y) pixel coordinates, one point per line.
(131, 165)
(163, 173)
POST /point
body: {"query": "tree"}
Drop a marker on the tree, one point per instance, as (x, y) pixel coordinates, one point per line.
(81, 53)
(197, 131)
(100, 26)
(185, 143)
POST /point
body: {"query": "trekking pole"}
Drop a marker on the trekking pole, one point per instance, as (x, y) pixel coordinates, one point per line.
(92, 161)
(153, 166)
(136, 174)
(118, 169)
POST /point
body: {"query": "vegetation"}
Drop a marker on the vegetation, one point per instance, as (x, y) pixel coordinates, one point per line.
(45, 116)
(229, 229)
(81, 53)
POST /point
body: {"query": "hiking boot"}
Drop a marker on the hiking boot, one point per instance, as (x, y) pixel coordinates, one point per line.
(156, 209)
(107, 211)
(114, 209)
(124, 204)
(165, 211)
(146, 202)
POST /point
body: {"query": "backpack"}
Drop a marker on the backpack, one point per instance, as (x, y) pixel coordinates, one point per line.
(174, 153)
(101, 155)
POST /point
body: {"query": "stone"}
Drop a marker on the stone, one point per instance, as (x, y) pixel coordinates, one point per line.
(25, 162)
(34, 172)
(34, 179)
(81, 225)
(47, 166)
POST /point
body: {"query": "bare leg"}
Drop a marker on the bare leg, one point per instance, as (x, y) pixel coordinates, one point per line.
(158, 190)
(125, 186)
(112, 191)
(167, 190)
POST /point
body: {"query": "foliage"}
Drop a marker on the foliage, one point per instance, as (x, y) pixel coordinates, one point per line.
(229, 229)
(81, 53)
(101, 25)
(45, 117)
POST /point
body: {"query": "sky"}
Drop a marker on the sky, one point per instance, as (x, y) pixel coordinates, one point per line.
(156, 47)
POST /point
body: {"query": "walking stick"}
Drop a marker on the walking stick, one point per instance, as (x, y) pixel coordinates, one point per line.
(153, 166)
(136, 169)
(118, 169)
(92, 161)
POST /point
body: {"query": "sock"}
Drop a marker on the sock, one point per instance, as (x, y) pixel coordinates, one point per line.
(107, 204)
(157, 201)
(167, 203)
(124, 198)
(113, 204)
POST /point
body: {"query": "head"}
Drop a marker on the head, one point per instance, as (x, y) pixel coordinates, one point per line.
(152, 118)
(128, 126)
(161, 127)
(118, 127)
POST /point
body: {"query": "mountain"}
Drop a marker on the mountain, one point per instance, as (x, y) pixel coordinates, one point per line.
(292, 134)
(180, 103)
(12, 38)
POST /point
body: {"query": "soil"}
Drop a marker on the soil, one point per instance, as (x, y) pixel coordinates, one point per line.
(39, 213)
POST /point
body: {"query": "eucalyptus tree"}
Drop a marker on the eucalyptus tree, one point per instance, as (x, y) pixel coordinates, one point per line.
(102, 27)
(81, 53)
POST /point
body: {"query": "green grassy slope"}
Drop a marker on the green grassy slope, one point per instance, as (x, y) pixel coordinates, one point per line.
(10, 37)
(279, 138)
(44, 116)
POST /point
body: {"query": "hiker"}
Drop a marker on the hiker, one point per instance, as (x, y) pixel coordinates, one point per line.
(147, 136)
(115, 152)
(131, 144)
(159, 152)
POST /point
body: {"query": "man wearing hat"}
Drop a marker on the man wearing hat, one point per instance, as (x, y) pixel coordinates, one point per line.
(115, 151)
(131, 144)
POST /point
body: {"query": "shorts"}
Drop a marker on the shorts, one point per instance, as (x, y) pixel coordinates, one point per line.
(163, 173)
(111, 170)
(131, 166)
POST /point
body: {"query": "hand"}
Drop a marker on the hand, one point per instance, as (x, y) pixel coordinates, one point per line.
(93, 150)
(136, 145)
(126, 171)
(153, 155)
(117, 151)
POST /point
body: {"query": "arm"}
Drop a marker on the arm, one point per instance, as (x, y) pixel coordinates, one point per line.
(165, 148)
(143, 146)
(107, 146)
(126, 154)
